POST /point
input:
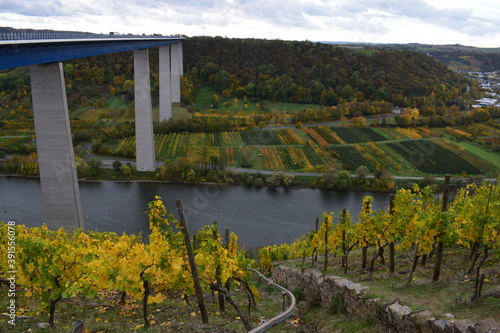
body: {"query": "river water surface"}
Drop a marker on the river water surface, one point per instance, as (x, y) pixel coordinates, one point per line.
(258, 216)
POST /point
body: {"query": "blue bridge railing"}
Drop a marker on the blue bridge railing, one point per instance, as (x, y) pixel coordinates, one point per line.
(68, 35)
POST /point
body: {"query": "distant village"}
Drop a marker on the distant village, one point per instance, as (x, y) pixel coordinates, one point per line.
(490, 82)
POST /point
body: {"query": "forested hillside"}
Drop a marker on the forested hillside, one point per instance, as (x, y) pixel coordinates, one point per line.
(301, 72)
(306, 72)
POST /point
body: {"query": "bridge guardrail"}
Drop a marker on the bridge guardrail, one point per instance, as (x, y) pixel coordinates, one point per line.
(282, 316)
(67, 35)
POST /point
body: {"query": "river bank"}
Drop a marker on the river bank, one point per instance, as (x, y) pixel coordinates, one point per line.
(263, 178)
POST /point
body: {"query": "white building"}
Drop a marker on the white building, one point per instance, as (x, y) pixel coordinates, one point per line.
(485, 102)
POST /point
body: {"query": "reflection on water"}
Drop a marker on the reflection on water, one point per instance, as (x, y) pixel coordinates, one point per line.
(258, 216)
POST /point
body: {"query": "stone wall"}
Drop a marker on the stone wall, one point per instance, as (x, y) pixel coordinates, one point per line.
(324, 290)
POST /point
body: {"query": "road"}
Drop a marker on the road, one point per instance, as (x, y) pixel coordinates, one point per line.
(316, 174)
(329, 123)
(107, 163)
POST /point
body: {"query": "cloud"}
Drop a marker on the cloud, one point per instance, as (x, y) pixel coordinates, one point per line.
(360, 20)
(453, 18)
(37, 8)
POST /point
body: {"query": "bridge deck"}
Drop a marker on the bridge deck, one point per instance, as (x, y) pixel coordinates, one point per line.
(29, 51)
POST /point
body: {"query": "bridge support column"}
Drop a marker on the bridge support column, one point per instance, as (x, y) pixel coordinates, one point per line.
(56, 158)
(180, 61)
(165, 86)
(176, 71)
(145, 149)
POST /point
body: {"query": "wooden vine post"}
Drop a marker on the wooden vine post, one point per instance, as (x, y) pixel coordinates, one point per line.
(327, 225)
(192, 263)
(392, 265)
(216, 236)
(344, 241)
(439, 244)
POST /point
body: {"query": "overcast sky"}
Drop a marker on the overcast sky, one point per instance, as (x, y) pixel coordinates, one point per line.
(466, 22)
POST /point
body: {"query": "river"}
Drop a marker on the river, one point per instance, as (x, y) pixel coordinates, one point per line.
(258, 216)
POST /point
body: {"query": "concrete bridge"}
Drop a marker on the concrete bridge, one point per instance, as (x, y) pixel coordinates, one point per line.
(44, 53)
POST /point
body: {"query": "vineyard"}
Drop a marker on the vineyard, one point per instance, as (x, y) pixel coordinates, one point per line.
(12, 141)
(53, 266)
(402, 151)
(430, 157)
(260, 137)
(349, 156)
(417, 227)
(358, 134)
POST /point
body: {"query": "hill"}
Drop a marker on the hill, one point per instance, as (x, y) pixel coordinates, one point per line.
(456, 57)
(247, 83)
(306, 72)
(280, 71)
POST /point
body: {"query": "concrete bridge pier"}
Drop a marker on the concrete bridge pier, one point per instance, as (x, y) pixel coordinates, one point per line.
(145, 149)
(176, 72)
(56, 158)
(165, 86)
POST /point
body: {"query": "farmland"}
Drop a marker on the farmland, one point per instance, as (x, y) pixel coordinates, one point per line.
(412, 151)
(432, 158)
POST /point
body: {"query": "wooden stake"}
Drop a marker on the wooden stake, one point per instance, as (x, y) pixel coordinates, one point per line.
(192, 263)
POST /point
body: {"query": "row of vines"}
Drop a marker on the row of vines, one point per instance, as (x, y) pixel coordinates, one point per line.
(322, 147)
(427, 156)
(54, 265)
(430, 157)
(326, 135)
(416, 220)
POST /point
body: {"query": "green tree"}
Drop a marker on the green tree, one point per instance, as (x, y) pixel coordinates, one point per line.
(191, 175)
(117, 165)
(288, 180)
(250, 89)
(361, 172)
(215, 100)
(94, 167)
(128, 86)
(275, 180)
(127, 170)
(344, 181)
(329, 179)
(68, 70)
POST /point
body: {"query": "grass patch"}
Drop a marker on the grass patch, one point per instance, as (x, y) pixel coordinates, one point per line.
(203, 97)
(490, 157)
(180, 113)
(116, 102)
(203, 100)
(177, 113)
(287, 107)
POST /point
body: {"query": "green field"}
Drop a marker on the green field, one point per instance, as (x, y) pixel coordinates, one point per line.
(203, 100)
(490, 157)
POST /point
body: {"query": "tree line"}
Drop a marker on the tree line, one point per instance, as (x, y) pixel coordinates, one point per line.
(306, 72)
(286, 71)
